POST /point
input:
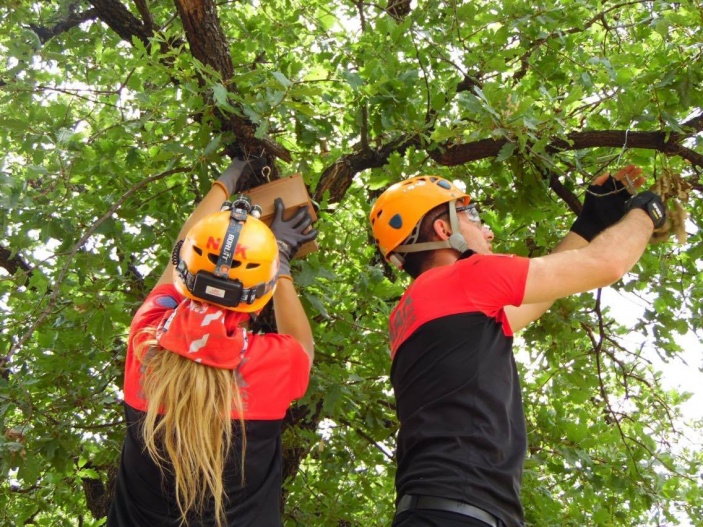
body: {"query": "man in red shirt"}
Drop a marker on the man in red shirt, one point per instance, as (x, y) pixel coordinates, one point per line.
(462, 438)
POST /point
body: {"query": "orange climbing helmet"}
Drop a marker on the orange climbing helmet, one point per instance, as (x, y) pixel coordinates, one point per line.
(398, 212)
(229, 258)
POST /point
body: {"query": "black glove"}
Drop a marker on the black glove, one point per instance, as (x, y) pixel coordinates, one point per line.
(652, 204)
(290, 233)
(603, 206)
(239, 171)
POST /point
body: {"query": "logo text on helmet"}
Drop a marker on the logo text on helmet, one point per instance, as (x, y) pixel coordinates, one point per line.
(240, 250)
(213, 243)
(229, 242)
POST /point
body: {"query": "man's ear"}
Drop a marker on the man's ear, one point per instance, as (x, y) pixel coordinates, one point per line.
(442, 229)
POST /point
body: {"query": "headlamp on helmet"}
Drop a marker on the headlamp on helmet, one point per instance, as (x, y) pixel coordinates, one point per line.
(229, 258)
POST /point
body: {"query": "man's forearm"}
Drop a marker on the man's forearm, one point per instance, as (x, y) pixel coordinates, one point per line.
(621, 239)
(626, 240)
(570, 242)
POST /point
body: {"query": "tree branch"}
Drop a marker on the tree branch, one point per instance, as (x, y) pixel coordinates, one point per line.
(205, 36)
(565, 194)
(695, 123)
(207, 44)
(337, 178)
(77, 247)
(370, 440)
(121, 21)
(399, 9)
(72, 20)
(147, 18)
(667, 143)
(15, 263)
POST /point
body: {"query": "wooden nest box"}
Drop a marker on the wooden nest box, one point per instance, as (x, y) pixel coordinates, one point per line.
(294, 194)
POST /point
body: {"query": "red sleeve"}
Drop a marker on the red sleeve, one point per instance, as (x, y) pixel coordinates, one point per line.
(493, 281)
(274, 372)
(161, 299)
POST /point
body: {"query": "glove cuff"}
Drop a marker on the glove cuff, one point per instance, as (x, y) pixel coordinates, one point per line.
(652, 204)
(285, 249)
(223, 187)
(284, 261)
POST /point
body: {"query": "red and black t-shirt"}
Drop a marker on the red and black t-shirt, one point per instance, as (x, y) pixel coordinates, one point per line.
(462, 427)
(274, 371)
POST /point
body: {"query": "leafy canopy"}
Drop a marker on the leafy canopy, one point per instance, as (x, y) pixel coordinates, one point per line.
(117, 115)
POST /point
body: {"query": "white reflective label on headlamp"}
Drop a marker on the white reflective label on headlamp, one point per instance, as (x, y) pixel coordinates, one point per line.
(214, 291)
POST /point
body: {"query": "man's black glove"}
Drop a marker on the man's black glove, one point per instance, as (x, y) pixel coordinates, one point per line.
(290, 234)
(238, 172)
(603, 206)
(652, 204)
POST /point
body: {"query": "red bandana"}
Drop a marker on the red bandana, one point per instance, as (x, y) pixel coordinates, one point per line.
(204, 333)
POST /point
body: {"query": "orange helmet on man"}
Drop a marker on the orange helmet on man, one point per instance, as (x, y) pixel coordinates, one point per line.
(397, 213)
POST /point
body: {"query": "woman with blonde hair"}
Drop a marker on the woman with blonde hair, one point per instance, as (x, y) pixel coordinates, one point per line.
(204, 396)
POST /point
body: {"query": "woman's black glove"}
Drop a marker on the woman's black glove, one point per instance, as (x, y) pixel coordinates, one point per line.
(291, 233)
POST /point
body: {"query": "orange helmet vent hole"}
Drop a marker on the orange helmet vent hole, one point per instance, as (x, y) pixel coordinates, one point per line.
(214, 257)
(396, 221)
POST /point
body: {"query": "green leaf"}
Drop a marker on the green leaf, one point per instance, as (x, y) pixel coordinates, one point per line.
(506, 151)
(283, 81)
(221, 95)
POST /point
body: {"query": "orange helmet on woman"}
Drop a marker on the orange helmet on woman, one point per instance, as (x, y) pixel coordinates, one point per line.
(229, 259)
(398, 212)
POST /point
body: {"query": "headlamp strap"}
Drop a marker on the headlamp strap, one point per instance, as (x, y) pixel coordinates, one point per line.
(229, 245)
(256, 292)
(217, 287)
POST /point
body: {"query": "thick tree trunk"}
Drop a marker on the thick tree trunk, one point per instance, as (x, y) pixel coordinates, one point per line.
(205, 36)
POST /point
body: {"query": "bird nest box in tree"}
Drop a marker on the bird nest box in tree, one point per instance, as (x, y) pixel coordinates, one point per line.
(294, 193)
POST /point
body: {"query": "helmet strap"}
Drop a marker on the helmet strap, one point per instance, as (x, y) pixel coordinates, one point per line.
(455, 241)
(237, 218)
(397, 260)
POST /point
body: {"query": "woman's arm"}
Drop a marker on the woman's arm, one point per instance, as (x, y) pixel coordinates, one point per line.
(291, 318)
(220, 191)
(291, 234)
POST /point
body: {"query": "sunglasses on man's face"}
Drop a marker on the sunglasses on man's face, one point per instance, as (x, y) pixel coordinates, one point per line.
(471, 212)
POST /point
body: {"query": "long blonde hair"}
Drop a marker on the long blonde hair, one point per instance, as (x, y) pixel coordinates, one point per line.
(188, 427)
